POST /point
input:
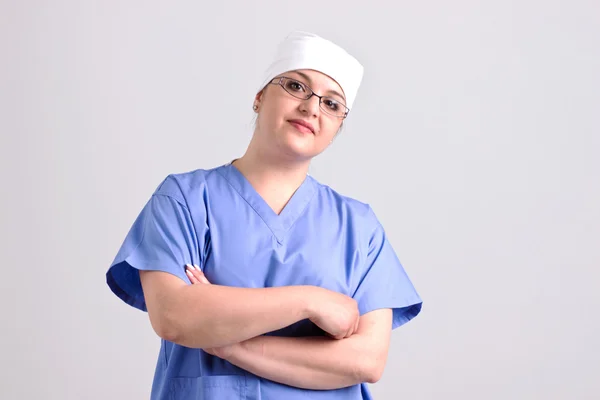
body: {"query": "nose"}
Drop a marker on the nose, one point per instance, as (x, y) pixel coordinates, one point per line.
(310, 105)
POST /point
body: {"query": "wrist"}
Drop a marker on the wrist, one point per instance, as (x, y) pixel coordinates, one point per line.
(229, 352)
(305, 302)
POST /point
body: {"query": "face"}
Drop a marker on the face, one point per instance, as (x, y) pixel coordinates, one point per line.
(278, 127)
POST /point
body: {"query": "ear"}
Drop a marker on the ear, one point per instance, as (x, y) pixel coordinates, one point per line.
(259, 98)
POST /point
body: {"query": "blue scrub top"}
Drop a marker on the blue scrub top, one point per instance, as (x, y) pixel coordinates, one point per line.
(215, 219)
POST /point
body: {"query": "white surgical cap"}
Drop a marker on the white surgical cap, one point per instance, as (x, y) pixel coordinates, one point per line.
(303, 50)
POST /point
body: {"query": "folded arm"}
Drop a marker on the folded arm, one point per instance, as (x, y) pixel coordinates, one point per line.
(318, 362)
(204, 316)
(228, 322)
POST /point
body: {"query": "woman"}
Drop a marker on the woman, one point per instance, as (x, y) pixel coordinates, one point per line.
(263, 283)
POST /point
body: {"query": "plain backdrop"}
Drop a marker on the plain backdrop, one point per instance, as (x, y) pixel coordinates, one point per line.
(475, 137)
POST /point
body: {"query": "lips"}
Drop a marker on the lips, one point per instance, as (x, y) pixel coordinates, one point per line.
(302, 125)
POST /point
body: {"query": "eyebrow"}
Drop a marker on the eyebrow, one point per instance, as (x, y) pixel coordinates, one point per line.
(309, 81)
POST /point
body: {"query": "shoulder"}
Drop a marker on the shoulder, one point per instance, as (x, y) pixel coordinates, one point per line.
(354, 209)
(181, 185)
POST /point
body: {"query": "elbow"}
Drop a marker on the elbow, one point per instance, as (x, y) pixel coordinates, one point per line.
(165, 329)
(178, 332)
(174, 332)
(166, 326)
(168, 333)
(373, 374)
(372, 369)
(165, 297)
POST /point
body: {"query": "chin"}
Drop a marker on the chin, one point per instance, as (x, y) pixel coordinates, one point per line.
(301, 145)
(301, 150)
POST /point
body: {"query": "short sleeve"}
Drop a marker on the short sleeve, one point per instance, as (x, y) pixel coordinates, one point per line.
(162, 238)
(385, 283)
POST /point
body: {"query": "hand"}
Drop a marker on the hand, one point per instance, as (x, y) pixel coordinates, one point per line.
(197, 278)
(195, 274)
(335, 313)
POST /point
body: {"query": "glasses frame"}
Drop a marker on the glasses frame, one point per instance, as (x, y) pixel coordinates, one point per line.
(311, 94)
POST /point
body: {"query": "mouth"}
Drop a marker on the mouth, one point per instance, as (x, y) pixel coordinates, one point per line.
(302, 126)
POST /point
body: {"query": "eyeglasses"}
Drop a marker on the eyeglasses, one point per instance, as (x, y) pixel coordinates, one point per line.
(299, 90)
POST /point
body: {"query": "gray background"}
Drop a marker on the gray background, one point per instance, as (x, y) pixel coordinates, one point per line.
(475, 137)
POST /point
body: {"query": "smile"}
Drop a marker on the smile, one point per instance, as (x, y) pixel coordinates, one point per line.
(300, 127)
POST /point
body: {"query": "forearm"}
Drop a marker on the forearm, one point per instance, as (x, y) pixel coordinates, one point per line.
(309, 362)
(205, 316)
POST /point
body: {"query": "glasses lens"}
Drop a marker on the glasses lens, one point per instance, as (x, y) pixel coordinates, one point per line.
(333, 107)
(295, 88)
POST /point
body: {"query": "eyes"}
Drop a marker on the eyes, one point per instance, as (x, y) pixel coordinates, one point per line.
(295, 86)
(331, 104)
(301, 90)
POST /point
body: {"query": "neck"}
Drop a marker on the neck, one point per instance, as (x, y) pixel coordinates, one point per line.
(266, 168)
(274, 178)
(265, 172)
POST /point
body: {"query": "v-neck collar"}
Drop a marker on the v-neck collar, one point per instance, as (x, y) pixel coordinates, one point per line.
(278, 224)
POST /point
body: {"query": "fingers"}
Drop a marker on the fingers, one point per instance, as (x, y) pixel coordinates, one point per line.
(350, 331)
(195, 274)
(354, 328)
(190, 274)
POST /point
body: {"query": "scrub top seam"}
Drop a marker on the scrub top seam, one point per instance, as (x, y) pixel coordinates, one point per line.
(251, 206)
(299, 214)
(200, 256)
(377, 225)
(187, 209)
(174, 199)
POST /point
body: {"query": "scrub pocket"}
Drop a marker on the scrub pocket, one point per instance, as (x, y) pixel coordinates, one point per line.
(218, 387)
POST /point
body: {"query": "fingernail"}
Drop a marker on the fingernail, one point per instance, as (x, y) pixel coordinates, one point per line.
(191, 267)
(189, 274)
(197, 267)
